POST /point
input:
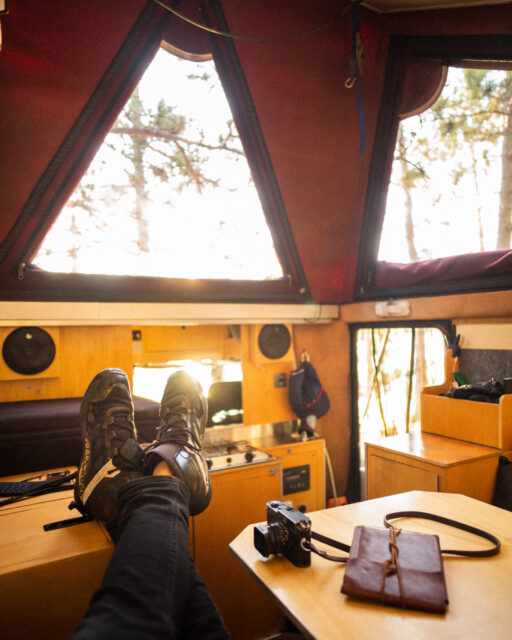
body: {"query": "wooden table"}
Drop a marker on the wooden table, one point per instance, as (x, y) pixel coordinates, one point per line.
(479, 589)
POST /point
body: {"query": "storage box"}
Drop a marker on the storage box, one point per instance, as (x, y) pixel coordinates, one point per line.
(479, 422)
(47, 578)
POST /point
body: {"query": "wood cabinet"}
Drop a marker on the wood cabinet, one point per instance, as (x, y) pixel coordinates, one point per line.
(239, 498)
(47, 578)
(303, 472)
(412, 462)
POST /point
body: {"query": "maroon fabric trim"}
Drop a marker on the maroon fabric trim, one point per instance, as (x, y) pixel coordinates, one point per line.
(390, 275)
(83, 140)
(47, 73)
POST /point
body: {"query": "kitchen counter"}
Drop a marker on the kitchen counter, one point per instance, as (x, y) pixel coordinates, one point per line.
(259, 435)
(279, 439)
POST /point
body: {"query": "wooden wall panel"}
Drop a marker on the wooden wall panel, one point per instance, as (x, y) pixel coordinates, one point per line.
(160, 344)
(492, 304)
(329, 350)
(262, 401)
(83, 351)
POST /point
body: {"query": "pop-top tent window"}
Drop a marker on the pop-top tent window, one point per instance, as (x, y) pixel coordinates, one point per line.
(170, 192)
(438, 210)
(450, 190)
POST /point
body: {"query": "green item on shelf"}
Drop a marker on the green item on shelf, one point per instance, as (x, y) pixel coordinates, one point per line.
(460, 379)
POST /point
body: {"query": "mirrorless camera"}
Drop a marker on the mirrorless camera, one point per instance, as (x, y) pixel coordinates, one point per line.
(285, 532)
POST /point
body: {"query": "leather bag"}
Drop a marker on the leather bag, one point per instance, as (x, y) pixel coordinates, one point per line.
(402, 568)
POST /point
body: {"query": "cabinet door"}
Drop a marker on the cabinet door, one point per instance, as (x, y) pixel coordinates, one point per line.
(239, 499)
(386, 477)
(47, 578)
(303, 458)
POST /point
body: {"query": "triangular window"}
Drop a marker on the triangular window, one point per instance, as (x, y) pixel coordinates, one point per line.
(169, 192)
(449, 192)
(438, 207)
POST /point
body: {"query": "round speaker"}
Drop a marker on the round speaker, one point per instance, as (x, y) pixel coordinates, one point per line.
(274, 340)
(28, 350)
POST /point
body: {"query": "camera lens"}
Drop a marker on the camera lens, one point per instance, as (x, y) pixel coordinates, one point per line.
(270, 539)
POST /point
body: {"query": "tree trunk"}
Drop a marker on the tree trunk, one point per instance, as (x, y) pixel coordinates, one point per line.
(141, 198)
(505, 215)
(137, 176)
(409, 226)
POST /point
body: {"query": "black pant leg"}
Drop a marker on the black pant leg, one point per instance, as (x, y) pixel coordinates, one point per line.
(150, 584)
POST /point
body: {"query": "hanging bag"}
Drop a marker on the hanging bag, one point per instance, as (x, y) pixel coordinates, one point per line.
(306, 393)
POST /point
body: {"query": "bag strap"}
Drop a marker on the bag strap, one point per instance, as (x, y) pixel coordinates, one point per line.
(412, 514)
(452, 523)
(58, 481)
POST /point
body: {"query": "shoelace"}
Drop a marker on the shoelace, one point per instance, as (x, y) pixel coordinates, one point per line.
(176, 431)
(123, 430)
(120, 419)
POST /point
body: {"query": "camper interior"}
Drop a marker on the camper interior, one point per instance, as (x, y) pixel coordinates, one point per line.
(237, 189)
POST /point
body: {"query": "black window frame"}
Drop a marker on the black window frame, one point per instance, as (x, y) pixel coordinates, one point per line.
(449, 50)
(448, 330)
(28, 282)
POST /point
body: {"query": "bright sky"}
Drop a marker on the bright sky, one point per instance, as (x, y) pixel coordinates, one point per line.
(445, 215)
(219, 234)
(223, 233)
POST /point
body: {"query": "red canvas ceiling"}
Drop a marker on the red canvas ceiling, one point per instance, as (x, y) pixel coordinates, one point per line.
(55, 53)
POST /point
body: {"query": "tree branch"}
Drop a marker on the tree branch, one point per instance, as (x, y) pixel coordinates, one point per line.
(164, 135)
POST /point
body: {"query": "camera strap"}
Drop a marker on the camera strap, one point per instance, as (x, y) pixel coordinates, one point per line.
(412, 514)
(332, 543)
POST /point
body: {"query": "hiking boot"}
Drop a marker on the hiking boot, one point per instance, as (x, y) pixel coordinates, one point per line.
(111, 455)
(179, 440)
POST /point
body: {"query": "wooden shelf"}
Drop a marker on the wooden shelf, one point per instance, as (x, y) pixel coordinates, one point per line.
(483, 423)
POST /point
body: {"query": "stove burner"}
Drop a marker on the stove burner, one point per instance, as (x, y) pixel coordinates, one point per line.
(226, 455)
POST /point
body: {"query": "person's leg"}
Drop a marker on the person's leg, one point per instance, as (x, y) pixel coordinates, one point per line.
(202, 618)
(151, 588)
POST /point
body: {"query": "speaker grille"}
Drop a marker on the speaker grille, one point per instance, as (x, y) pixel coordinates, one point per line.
(28, 350)
(274, 341)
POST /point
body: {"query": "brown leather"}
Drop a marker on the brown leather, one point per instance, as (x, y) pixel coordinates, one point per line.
(396, 567)
(478, 553)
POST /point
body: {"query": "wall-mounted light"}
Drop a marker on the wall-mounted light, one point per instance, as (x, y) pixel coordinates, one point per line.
(392, 308)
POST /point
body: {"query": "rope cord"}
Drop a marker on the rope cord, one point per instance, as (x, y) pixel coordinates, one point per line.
(227, 34)
(331, 476)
